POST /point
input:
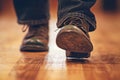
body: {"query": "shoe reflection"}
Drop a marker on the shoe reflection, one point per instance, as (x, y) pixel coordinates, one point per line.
(45, 65)
(77, 60)
(27, 67)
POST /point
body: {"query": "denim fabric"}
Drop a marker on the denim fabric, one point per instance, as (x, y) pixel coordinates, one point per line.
(76, 8)
(34, 12)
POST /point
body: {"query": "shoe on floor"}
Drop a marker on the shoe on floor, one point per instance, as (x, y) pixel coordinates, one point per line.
(36, 39)
(74, 38)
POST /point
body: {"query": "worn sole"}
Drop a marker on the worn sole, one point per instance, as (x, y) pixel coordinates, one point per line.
(74, 41)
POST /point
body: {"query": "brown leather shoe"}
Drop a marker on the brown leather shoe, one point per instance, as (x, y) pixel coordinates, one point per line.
(74, 39)
(36, 39)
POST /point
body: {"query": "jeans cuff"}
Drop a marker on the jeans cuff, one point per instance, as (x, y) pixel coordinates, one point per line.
(91, 21)
(33, 22)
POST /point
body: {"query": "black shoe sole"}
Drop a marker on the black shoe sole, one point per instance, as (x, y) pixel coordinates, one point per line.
(77, 55)
(33, 48)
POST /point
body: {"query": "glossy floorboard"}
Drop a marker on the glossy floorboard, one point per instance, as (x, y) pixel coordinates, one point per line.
(104, 63)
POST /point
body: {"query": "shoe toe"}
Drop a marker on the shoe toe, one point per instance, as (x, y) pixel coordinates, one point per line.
(33, 44)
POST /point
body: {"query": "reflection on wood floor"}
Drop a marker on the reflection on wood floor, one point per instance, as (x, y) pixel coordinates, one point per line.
(104, 63)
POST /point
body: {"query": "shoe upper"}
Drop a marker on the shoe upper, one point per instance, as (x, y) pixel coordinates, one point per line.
(37, 31)
(36, 38)
(80, 23)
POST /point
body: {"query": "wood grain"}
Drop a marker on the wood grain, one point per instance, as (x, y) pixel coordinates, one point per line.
(104, 63)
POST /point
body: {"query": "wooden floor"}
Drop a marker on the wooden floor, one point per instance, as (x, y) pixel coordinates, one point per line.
(104, 63)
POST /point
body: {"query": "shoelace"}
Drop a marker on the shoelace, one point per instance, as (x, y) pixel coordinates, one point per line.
(24, 28)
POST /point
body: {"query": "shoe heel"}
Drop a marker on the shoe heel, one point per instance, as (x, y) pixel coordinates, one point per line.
(77, 54)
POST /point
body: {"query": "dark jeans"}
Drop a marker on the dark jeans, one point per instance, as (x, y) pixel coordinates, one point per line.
(35, 12)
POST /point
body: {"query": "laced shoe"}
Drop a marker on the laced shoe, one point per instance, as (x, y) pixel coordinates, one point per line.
(36, 38)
